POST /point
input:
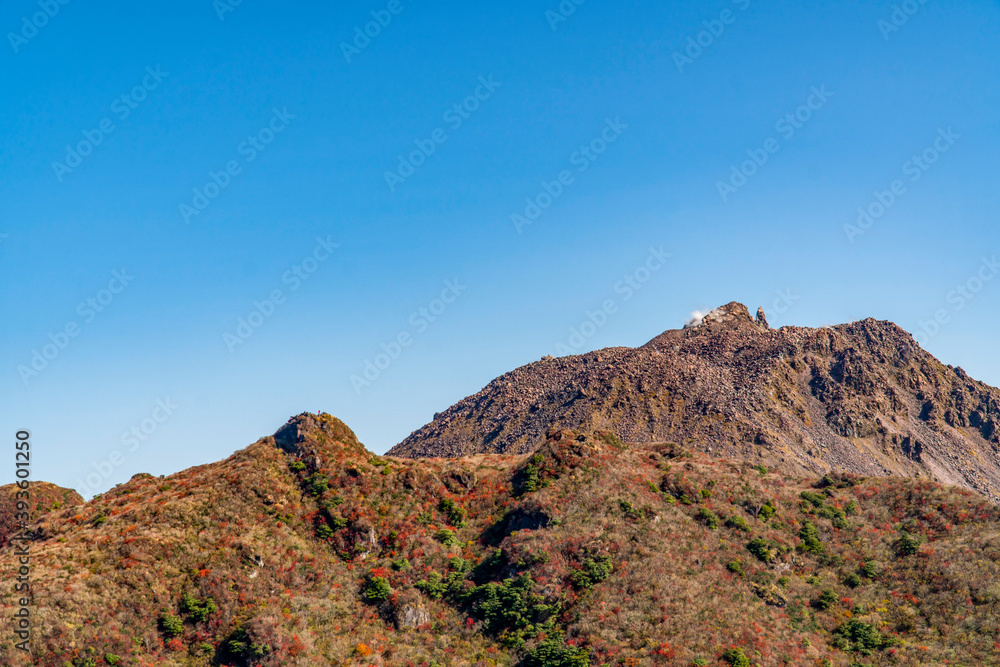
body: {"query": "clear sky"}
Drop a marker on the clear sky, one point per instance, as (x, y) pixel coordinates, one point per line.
(167, 170)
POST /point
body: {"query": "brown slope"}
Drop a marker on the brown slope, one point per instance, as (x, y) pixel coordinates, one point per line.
(304, 550)
(107, 575)
(860, 397)
(42, 497)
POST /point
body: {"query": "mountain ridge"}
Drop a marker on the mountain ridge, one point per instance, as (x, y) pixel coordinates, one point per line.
(861, 397)
(306, 549)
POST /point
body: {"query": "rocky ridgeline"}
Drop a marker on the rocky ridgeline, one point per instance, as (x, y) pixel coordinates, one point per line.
(860, 397)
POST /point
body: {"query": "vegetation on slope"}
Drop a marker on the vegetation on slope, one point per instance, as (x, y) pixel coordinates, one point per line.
(42, 498)
(304, 549)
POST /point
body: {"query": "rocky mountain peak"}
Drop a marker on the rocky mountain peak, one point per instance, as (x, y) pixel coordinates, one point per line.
(317, 438)
(861, 397)
(733, 313)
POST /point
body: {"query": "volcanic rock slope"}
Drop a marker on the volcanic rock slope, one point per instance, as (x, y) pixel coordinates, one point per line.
(860, 397)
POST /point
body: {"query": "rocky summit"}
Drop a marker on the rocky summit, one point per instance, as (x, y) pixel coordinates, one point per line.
(860, 397)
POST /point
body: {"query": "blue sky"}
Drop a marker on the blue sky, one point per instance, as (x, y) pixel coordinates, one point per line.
(216, 156)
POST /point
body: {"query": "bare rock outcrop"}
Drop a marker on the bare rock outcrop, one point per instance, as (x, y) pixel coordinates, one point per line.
(861, 397)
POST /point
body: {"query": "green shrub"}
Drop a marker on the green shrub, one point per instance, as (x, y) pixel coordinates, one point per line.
(909, 544)
(172, 625)
(197, 610)
(297, 466)
(869, 570)
(446, 536)
(240, 645)
(376, 590)
(553, 652)
(629, 510)
(735, 566)
(530, 477)
(511, 610)
(810, 538)
(401, 564)
(767, 511)
(456, 515)
(827, 598)
(737, 658)
(592, 572)
(709, 518)
(858, 636)
(816, 499)
(738, 522)
(852, 581)
(324, 532)
(762, 549)
(318, 484)
(433, 586)
(112, 659)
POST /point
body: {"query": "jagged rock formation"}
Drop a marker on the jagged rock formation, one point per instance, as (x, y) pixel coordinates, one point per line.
(860, 397)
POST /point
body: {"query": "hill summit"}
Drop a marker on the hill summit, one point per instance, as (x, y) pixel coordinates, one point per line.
(305, 549)
(861, 397)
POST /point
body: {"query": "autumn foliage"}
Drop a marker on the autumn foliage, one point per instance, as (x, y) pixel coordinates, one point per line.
(306, 549)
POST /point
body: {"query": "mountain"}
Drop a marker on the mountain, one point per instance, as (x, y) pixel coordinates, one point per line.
(305, 549)
(42, 497)
(860, 397)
